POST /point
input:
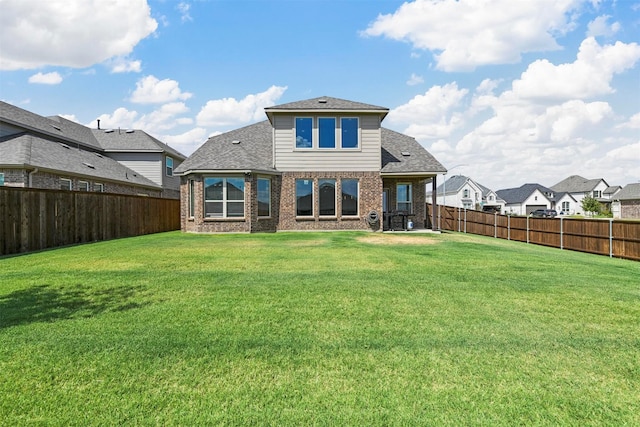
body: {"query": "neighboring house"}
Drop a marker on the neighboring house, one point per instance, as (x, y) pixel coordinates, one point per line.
(56, 153)
(318, 164)
(526, 199)
(626, 202)
(579, 188)
(463, 192)
(565, 203)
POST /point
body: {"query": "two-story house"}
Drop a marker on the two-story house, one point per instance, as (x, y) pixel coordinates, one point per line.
(318, 164)
(56, 153)
(464, 192)
(579, 188)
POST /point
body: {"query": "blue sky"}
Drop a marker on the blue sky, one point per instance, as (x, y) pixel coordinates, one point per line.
(505, 91)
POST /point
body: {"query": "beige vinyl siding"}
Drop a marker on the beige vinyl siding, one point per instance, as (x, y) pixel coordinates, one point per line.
(149, 165)
(288, 158)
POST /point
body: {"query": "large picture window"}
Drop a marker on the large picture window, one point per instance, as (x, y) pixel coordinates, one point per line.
(327, 132)
(304, 132)
(304, 197)
(264, 197)
(349, 132)
(224, 197)
(349, 197)
(327, 197)
(404, 198)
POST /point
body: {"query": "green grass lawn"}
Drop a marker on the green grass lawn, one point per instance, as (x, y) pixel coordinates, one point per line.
(318, 329)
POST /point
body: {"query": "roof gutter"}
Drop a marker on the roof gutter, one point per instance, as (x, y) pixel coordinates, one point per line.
(31, 177)
(227, 171)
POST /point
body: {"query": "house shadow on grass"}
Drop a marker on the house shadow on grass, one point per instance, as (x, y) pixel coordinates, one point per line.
(45, 303)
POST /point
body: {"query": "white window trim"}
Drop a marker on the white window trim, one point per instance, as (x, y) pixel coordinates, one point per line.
(83, 182)
(66, 180)
(336, 134)
(339, 126)
(99, 185)
(166, 165)
(314, 130)
(224, 200)
(410, 201)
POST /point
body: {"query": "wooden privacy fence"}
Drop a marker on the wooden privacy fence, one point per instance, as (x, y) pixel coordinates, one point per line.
(34, 219)
(615, 238)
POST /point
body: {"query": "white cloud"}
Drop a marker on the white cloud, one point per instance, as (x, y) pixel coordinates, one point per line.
(53, 78)
(415, 80)
(466, 34)
(588, 76)
(163, 118)
(151, 90)
(183, 8)
(71, 117)
(632, 123)
(123, 65)
(186, 142)
(121, 118)
(430, 115)
(229, 111)
(71, 33)
(600, 27)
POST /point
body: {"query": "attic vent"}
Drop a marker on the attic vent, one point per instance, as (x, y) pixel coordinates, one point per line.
(406, 153)
(235, 141)
(130, 131)
(56, 127)
(322, 101)
(65, 146)
(89, 165)
(99, 155)
(108, 131)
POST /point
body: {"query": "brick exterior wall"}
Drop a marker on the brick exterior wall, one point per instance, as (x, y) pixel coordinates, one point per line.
(283, 205)
(45, 180)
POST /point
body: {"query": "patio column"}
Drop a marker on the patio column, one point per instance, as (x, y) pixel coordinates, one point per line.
(434, 199)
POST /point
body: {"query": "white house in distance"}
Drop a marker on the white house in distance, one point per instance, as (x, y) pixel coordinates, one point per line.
(526, 199)
(579, 188)
(463, 192)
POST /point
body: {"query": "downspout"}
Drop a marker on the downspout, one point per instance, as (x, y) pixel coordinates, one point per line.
(31, 177)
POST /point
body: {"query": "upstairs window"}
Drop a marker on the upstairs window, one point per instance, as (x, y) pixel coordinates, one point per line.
(304, 132)
(98, 187)
(327, 132)
(83, 186)
(349, 132)
(465, 193)
(169, 164)
(597, 194)
(65, 184)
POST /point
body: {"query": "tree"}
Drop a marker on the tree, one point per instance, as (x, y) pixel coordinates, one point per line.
(589, 204)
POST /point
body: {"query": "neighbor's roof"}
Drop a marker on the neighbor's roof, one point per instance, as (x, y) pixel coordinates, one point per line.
(577, 184)
(629, 192)
(612, 189)
(453, 184)
(251, 149)
(56, 127)
(34, 151)
(522, 193)
(132, 140)
(62, 129)
(246, 149)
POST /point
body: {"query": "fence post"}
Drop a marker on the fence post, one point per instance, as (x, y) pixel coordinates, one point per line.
(465, 220)
(561, 235)
(508, 227)
(458, 209)
(495, 225)
(527, 228)
(610, 238)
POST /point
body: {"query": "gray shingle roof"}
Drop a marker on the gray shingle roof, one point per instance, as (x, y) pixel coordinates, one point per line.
(131, 140)
(328, 104)
(520, 194)
(394, 144)
(629, 192)
(56, 127)
(33, 151)
(576, 184)
(254, 151)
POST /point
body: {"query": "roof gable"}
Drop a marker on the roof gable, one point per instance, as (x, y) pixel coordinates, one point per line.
(577, 184)
(522, 193)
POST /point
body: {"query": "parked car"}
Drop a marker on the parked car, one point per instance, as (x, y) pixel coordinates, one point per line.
(544, 213)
